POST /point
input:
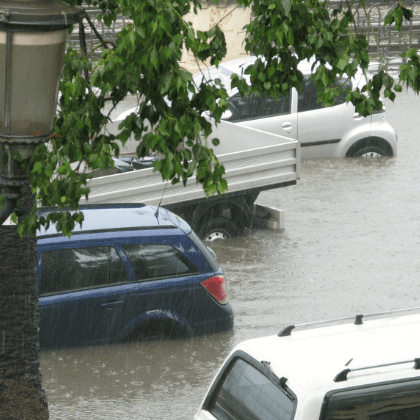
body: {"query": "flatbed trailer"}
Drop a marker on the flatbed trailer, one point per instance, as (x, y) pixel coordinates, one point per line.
(254, 161)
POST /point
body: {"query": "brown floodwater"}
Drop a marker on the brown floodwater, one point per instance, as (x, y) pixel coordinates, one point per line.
(351, 244)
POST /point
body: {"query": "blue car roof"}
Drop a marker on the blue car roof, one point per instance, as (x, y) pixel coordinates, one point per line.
(121, 217)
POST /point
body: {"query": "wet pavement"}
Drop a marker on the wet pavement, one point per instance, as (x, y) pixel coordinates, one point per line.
(350, 245)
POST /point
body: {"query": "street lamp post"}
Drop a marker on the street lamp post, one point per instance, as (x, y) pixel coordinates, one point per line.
(32, 44)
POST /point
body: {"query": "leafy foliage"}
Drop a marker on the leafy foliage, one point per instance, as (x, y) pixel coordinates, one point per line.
(285, 32)
(145, 62)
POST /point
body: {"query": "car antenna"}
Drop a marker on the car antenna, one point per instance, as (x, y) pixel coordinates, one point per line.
(163, 192)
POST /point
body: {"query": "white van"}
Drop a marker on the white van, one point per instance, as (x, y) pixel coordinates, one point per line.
(355, 371)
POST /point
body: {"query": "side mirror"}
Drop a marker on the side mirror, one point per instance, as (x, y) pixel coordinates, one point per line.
(226, 115)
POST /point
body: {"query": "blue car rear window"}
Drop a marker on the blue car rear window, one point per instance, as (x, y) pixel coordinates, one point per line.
(158, 261)
(205, 251)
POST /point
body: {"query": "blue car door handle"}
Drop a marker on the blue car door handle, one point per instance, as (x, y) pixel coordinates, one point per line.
(110, 305)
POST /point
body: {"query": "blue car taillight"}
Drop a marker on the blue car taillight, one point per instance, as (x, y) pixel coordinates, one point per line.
(216, 286)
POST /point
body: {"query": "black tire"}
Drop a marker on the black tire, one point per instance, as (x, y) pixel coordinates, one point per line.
(156, 330)
(218, 229)
(370, 152)
(370, 148)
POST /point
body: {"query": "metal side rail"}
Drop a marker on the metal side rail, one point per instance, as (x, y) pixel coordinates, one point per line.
(358, 320)
(342, 376)
(256, 169)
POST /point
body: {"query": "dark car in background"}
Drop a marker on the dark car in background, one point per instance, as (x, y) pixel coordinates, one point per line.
(130, 272)
(128, 164)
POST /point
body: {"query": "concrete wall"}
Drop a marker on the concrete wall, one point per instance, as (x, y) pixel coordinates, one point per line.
(232, 20)
(231, 17)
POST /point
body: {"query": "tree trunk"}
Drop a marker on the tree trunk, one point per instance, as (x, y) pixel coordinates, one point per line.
(21, 393)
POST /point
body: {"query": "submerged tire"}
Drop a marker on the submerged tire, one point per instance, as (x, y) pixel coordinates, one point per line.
(218, 229)
(370, 152)
(157, 330)
(374, 147)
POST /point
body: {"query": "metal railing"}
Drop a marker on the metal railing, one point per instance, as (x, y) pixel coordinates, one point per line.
(384, 41)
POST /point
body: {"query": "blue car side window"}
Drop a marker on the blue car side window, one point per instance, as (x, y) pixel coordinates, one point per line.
(158, 261)
(70, 269)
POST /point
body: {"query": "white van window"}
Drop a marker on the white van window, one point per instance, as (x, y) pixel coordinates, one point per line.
(307, 98)
(247, 394)
(67, 270)
(254, 106)
(157, 261)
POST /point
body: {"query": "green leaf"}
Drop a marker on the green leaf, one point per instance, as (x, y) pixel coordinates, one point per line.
(287, 5)
(37, 167)
(389, 18)
(388, 81)
(318, 42)
(398, 88)
(167, 79)
(186, 75)
(179, 83)
(407, 13)
(342, 63)
(211, 190)
(154, 58)
(14, 217)
(187, 154)
(132, 37)
(140, 30)
(398, 16)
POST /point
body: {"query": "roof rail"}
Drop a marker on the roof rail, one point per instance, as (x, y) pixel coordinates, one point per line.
(342, 376)
(358, 320)
(95, 206)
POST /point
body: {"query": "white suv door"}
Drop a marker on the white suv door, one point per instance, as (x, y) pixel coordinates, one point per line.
(320, 128)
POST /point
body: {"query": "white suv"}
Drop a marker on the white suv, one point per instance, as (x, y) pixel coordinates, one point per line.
(354, 371)
(337, 131)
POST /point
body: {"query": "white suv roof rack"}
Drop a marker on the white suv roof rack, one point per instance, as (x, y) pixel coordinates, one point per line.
(358, 320)
(342, 376)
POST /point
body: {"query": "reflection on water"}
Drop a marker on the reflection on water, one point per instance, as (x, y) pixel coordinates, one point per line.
(351, 245)
(134, 380)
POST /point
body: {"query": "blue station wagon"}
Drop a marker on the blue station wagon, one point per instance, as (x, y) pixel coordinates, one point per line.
(130, 272)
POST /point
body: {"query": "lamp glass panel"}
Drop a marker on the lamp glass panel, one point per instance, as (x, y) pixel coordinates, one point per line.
(37, 60)
(2, 75)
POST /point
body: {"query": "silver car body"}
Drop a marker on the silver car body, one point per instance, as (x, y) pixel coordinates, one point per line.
(323, 132)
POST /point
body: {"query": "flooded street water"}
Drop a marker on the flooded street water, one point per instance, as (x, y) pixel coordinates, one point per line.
(351, 244)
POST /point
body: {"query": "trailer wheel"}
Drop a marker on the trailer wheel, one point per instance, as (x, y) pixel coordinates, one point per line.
(218, 229)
